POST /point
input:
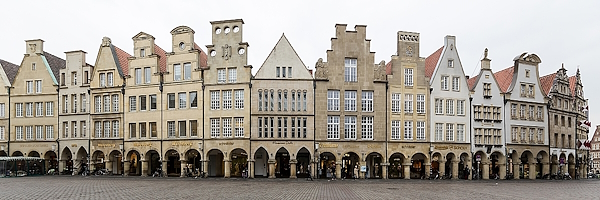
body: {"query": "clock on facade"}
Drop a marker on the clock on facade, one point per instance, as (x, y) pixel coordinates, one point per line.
(241, 51)
(213, 53)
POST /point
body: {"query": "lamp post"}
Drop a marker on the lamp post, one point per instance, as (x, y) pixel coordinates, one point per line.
(122, 158)
(201, 156)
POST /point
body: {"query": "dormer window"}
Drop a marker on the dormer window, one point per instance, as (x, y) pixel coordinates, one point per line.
(142, 52)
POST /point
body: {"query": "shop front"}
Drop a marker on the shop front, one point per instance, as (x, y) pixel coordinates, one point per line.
(281, 159)
(451, 160)
(226, 158)
(351, 159)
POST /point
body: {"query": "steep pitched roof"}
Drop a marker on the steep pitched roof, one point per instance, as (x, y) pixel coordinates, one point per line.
(431, 61)
(123, 61)
(203, 56)
(572, 83)
(471, 82)
(546, 83)
(504, 78)
(10, 69)
(388, 68)
(162, 58)
(55, 63)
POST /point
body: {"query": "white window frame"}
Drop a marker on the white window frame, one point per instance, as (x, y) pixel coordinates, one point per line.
(439, 106)
(177, 72)
(333, 127)
(396, 103)
(182, 96)
(460, 132)
(115, 101)
(38, 86)
(115, 130)
(215, 100)
(132, 103)
(421, 130)
(19, 132)
(221, 75)
(239, 127)
(367, 127)
(444, 83)
(350, 127)
(110, 78)
(226, 99)
(138, 76)
(408, 103)
(215, 127)
(408, 130)
(455, 83)
(396, 130)
(227, 132)
(147, 75)
(232, 72)
(29, 86)
(449, 106)
(449, 132)
(49, 108)
(187, 71)
(367, 101)
(349, 100)
(460, 107)
(408, 76)
(439, 131)
(239, 99)
(333, 100)
(420, 103)
(350, 70)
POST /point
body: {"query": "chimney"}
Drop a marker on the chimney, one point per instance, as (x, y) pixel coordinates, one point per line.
(485, 62)
(467, 77)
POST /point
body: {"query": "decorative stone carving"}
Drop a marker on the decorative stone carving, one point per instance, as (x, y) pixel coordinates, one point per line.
(321, 69)
(380, 72)
(32, 48)
(106, 41)
(485, 53)
(226, 51)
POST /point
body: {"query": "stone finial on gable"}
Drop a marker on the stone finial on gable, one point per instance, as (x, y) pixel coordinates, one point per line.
(380, 72)
(106, 41)
(485, 62)
(321, 68)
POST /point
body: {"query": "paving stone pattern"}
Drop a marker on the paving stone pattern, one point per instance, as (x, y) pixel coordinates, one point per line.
(115, 187)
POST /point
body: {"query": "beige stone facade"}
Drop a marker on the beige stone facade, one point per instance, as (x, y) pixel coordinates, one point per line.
(5, 81)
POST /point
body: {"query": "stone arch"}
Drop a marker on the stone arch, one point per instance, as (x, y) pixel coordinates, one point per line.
(82, 154)
(133, 165)
(216, 163)
(326, 160)
(374, 162)
(154, 160)
(66, 154)
(303, 158)
(261, 165)
(17, 153)
(418, 165)
(193, 159)
(239, 162)
(396, 169)
(33, 154)
(3, 153)
(282, 163)
(173, 162)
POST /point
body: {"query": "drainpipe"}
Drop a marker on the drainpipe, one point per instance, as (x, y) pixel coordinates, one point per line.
(58, 122)
(250, 138)
(88, 132)
(203, 111)
(9, 119)
(160, 88)
(471, 126)
(314, 171)
(123, 121)
(386, 128)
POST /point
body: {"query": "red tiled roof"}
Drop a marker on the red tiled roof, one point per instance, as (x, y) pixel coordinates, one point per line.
(504, 78)
(388, 68)
(431, 62)
(162, 58)
(572, 83)
(203, 56)
(123, 60)
(546, 82)
(471, 82)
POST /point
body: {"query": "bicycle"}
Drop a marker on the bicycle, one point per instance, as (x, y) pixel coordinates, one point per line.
(101, 172)
(158, 173)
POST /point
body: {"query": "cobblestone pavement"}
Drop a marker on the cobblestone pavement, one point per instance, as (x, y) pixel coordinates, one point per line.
(116, 187)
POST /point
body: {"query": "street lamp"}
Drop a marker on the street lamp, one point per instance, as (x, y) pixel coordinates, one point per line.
(122, 158)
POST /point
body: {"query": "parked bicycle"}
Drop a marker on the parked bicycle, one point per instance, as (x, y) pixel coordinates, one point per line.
(101, 172)
(159, 173)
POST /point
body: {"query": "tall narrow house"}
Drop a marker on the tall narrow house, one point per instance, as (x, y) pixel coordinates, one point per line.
(583, 125)
(8, 71)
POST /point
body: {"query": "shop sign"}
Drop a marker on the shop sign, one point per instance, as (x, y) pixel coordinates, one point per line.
(478, 158)
(106, 145)
(282, 142)
(408, 146)
(350, 146)
(363, 168)
(139, 144)
(328, 145)
(451, 147)
(34, 145)
(182, 144)
(225, 143)
(373, 146)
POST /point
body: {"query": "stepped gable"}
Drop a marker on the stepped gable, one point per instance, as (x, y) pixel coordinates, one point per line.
(504, 78)
(431, 62)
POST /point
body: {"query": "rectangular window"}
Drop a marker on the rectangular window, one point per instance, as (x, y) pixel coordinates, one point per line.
(107, 129)
(49, 132)
(540, 114)
(367, 101)
(540, 137)
(221, 76)
(74, 132)
(65, 108)
(193, 128)
(455, 83)
(29, 85)
(277, 72)
(153, 128)
(333, 127)
(2, 110)
(74, 104)
(532, 110)
(460, 132)
(460, 107)
(279, 127)
(171, 99)
(49, 108)
(487, 89)
(138, 76)
(304, 101)
(85, 77)
(28, 109)
(439, 131)
(396, 105)
(19, 109)
(285, 100)
(227, 127)
(303, 126)
(226, 99)
(143, 130)
(102, 80)
(350, 100)
(187, 71)
(143, 104)
(450, 63)
(420, 130)
(420, 103)
(107, 103)
(408, 77)
(293, 106)
(239, 99)
(182, 100)
(450, 106)
(215, 100)
(367, 127)
(39, 109)
(182, 128)
(98, 129)
(408, 103)
(147, 75)
(239, 127)
(19, 132)
(350, 70)
(98, 103)
(444, 84)
(396, 130)
(171, 129)
(38, 86)
(260, 101)
(115, 129)
(65, 129)
(289, 72)
(110, 78)
(260, 127)
(530, 91)
(439, 108)
(73, 78)
(177, 72)
(333, 100)
(232, 75)
(449, 132)
(2, 133)
(142, 53)
(283, 72)
(193, 99)
(132, 104)
(115, 101)
(272, 100)
(29, 132)
(408, 130)
(153, 102)
(350, 127)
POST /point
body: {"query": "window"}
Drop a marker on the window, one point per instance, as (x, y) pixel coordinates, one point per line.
(460, 132)
(85, 77)
(283, 72)
(38, 86)
(279, 127)
(171, 99)
(266, 98)
(226, 99)
(29, 85)
(487, 89)
(143, 104)
(2, 133)
(138, 76)
(19, 109)
(523, 130)
(439, 130)
(193, 128)
(29, 133)
(293, 120)
(408, 77)
(65, 108)
(540, 136)
(49, 108)
(333, 100)
(73, 78)
(277, 72)
(153, 132)
(110, 78)
(177, 72)
(260, 127)
(98, 104)
(439, 109)
(19, 132)
(450, 106)
(49, 132)
(3, 110)
(531, 111)
(350, 100)
(450, 63)
(530, 91)
(444, 84)
(115, 101)
(420, 130)
(74, 100)
(303, 126)
(221, 75)
(449, 132)
(187, 71)
(142, 130)
(293, 107)
(239, 127)
(350, 127)
(513, 110)
(182, 128)
(39, 109)
(65, 129)
(408, 135)
(455, 83)
(289, 72)
(350, 70)
(333, 127)
(153, 102)
(107, 103)
(226, 127)
(32, 66)
(170, 129)
(408, 103)
(98, 129)
(272, 100)
(106, 129)
(460, 107)
(367, 101)
(396, 130)
(285, 100)
(396, 102)
(232, 75)
(303, 100)
(132, 104)
(540, 113)
(215, 99)
(260, 101)
(102, 80)
(523, 90)
(193, 99)
(147, 74)
(28, 109)
(142, 52)
(367, 127)
(182, 100)
(115, 128)
(420, 103)
(239, 99)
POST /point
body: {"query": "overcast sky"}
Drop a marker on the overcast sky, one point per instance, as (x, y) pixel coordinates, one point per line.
(557, 31)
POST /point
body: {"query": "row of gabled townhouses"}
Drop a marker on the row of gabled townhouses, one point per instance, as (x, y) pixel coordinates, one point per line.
(185, 107)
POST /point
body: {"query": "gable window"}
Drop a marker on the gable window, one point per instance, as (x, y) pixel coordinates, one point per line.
(278, 72)
(102, 80)
(138, 76)
(303, 100)
(444, 84)
(283, 72)
(450, 63)
(177, 72)
(73, 78)
(85, 77)
(187, 71)
(226, 99)
(62, 79)
(142, 53)
(450, 106)
(29, 85)
(221, 76)
(408, 77)
(527, 73)
(260, 102)
(333, 100)
(455, 83)
(289, 72)
(487, 89)
(350, 70)
(32, 66)
(232, 75)
(147, 74)
(285, 100)
(530, 91)
(350, 100)
(110, 78)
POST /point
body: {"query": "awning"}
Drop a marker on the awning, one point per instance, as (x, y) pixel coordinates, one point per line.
(19, 158)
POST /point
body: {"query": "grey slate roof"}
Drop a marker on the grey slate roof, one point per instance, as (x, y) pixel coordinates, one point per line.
(10, 69)
(55, 63)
